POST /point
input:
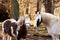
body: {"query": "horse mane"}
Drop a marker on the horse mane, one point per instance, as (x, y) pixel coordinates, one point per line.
(47, 18)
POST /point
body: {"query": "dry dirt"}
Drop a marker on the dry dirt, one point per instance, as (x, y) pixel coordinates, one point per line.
(40, 35)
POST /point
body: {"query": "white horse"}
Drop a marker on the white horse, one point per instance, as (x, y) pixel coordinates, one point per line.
(52, 24)
(37, 19)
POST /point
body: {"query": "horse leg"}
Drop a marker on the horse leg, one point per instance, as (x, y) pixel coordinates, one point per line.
(10, 38)
(18, 38)
(4, 37)
(55, 37)
(3, 34)
(7, 37)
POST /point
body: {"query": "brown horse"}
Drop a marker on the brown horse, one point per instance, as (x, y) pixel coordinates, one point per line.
(9, 27)
(14, 28)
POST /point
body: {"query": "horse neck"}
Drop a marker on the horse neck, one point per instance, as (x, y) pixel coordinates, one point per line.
(20, 20)
(19, 23)
(46, 19)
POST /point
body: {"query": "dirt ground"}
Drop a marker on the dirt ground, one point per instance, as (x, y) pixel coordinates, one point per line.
(40, 35)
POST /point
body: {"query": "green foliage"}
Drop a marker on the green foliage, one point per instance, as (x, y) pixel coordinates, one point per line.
(15, 9)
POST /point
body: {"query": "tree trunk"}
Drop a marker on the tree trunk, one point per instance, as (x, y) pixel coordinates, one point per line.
(48, 6)
(37, 5)
(15, 9)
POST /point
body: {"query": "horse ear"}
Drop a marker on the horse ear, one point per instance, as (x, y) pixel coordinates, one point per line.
(38, 12)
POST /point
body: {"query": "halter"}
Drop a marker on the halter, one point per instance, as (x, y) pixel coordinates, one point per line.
(39, 22)
(41, 18)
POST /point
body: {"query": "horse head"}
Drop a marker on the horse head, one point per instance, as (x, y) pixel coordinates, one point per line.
(38, 20)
